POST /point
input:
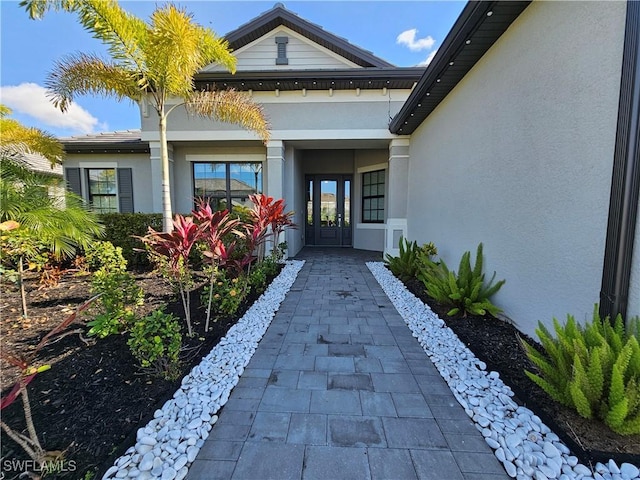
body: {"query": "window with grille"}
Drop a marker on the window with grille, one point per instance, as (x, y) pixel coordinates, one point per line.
(103, 192)
(373, 196)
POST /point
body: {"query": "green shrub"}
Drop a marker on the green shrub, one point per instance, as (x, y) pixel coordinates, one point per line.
(119, 296)
(466, 291)
(105, 255)
(121, 230)
(594, 369)
(407, 265)
(155, 342)
(260, 273)
(228, 293)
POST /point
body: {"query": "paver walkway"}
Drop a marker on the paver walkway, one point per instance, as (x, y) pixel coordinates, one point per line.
(339, 388)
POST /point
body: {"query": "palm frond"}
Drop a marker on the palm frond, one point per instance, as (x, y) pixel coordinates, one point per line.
(230, 106)
(178, 48)
(16, 140)
(82, 74)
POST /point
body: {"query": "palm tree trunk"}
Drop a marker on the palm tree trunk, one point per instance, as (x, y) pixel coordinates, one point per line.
(23, 294)
(167, 224)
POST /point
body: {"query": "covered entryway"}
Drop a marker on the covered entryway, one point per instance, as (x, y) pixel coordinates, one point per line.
(328, 212)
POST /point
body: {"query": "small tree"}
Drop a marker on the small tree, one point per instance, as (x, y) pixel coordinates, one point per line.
(174, 248)
(43, 222)
(214, 226)
(153, 61)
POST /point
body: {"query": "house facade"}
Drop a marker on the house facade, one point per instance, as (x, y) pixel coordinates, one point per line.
(519, 134)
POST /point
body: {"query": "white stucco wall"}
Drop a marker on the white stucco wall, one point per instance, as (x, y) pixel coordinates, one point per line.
(519, 157)
(141, 173)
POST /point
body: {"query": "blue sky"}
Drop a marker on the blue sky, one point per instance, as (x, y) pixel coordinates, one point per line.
(405, 33)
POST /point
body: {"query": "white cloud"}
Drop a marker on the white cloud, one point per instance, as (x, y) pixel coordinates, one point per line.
(408, 38)
(427, 60)
(31, 99)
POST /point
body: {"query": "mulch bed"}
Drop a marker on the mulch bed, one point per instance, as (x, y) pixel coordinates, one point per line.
(497, 343)
(94, 398)
(91, 402)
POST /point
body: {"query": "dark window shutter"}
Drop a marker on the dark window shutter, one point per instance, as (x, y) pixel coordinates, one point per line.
(73, 180)
(125, 190)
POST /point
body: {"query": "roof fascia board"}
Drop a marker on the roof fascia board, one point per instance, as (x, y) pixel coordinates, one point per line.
(393, 72)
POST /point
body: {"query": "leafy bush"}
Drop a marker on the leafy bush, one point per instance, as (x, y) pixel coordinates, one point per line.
(228, 293)
(260, 273)
(594, 369)
(155, 342)
(407, 265)
(121, 229)
(118, 296)
(105, 255)
(117, 291)
(466, 291)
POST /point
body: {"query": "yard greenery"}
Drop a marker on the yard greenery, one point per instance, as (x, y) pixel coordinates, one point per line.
(155, 342)
(467, 290)
(593, 368)
(150, 62)
(407, 264)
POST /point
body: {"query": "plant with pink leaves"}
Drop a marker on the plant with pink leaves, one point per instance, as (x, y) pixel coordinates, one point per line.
(214, 228)
(172, 250)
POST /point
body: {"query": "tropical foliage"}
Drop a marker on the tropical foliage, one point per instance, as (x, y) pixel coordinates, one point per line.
(467, 291)
(592, 368)
(150, 62)
(407, 264)
(46, 219)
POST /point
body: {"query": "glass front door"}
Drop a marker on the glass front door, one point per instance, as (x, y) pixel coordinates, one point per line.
(328, 210)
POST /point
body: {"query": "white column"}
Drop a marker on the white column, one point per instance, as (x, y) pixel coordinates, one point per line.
(275, 169)
(398, 183)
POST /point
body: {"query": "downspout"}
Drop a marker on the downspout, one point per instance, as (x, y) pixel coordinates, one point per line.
(625, 182)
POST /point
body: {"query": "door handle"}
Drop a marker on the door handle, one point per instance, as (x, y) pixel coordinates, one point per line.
(339, 220)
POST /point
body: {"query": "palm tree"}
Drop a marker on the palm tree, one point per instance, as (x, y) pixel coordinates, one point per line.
(154, 61)
(56, 223)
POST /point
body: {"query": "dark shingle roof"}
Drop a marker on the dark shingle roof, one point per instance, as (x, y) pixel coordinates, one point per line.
(123, 141)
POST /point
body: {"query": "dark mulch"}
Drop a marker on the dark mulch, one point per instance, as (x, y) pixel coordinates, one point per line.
(94, 398)
(497, 343)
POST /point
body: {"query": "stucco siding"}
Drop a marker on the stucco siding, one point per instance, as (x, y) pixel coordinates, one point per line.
(301, 53)
(288, 116)
(141, 172)
(519, 157)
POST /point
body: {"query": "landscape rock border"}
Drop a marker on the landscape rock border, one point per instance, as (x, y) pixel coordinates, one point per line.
(524, 445)
(170, 442)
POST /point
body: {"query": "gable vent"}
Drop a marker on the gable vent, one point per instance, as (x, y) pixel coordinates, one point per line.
(282, 51)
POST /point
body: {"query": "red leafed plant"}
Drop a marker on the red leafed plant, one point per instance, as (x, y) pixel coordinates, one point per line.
(269, 220)
(25, 362)
(174, 247)
(214, 226)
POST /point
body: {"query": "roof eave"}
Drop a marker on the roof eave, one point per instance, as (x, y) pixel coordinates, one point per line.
(270, 80)
(444, 72)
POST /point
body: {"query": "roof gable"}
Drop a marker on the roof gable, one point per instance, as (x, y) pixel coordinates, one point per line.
(301, 54)
(280, 16)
